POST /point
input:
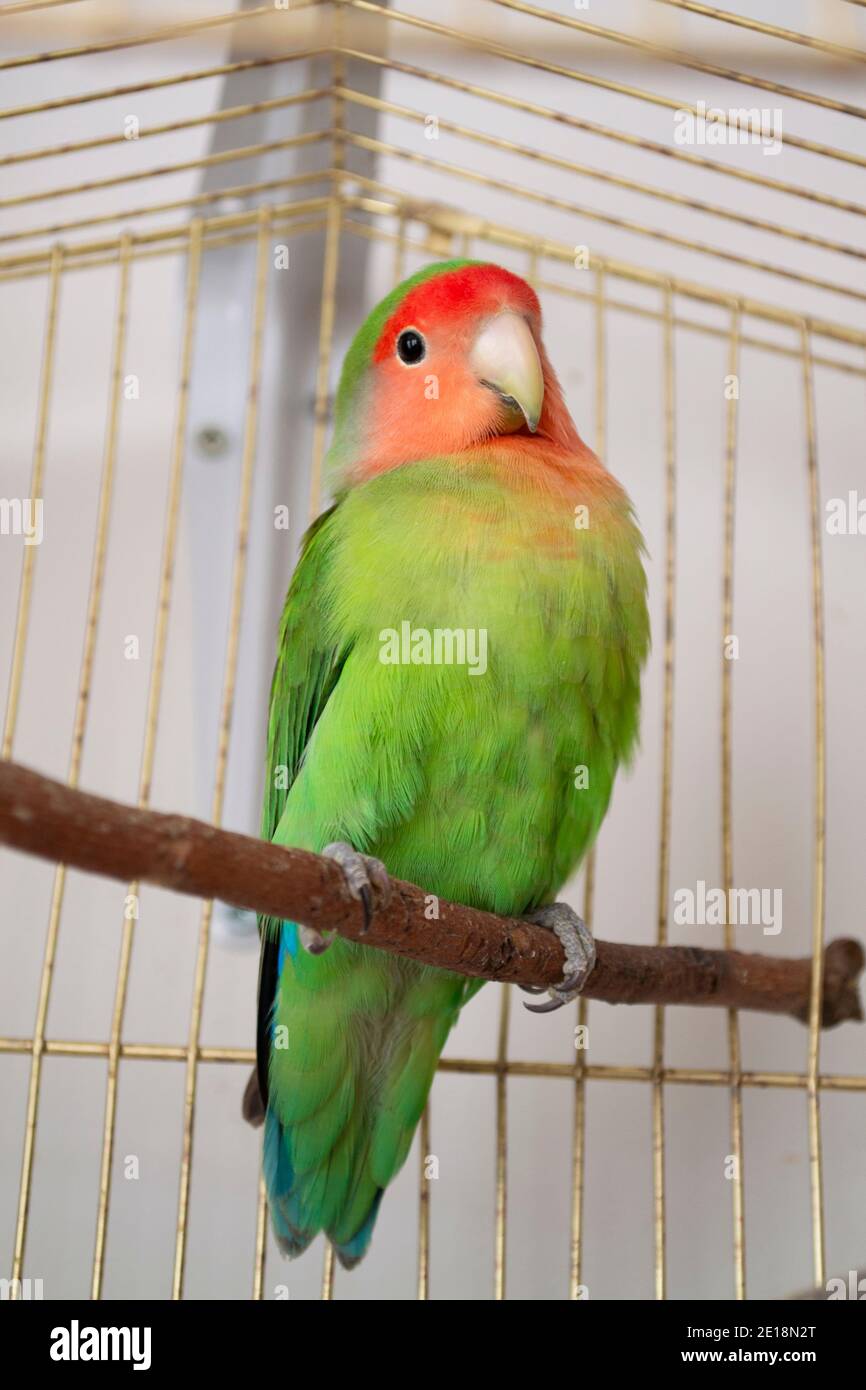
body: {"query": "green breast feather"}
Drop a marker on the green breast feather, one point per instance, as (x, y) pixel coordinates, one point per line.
(483, 777)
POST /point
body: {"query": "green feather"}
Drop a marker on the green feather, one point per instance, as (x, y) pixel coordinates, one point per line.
(463, 784)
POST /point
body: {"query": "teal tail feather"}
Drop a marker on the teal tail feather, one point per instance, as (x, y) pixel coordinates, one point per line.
(353, 1252)
(292, 1235)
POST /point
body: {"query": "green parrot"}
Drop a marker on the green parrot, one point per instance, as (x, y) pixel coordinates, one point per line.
(457, 680)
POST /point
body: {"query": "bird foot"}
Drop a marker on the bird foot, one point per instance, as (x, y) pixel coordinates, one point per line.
(579, 947)
(366, 879)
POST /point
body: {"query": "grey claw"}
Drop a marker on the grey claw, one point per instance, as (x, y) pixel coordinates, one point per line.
(573, 984)
(367, 900)
(363, 874)
(548, 1007)
(579, 948)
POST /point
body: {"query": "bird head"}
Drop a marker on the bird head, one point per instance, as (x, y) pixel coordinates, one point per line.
(451, 359)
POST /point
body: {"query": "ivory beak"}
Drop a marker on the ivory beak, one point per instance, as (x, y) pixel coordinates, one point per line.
(504, 358)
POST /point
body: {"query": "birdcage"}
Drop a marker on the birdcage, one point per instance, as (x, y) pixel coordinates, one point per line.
(199, 207)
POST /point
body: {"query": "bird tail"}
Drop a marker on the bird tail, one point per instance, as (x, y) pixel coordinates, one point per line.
(344, 1108)
(293, 1228)
(347, 1091)
(292, 1236)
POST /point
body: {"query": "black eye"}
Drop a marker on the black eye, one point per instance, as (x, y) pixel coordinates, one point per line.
(411, 347)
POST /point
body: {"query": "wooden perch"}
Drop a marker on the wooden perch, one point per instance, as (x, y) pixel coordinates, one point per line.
(49, 819)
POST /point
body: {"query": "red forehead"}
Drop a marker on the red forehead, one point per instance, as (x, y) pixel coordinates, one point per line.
(469, 292)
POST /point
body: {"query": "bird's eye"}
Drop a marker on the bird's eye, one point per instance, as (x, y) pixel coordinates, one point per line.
(411, 347)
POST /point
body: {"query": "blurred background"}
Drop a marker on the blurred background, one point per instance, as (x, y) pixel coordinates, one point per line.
(138, 149)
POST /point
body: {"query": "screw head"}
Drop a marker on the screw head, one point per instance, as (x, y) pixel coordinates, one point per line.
(212, 441)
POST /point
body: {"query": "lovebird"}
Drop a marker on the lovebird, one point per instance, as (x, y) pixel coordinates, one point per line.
(457, 681)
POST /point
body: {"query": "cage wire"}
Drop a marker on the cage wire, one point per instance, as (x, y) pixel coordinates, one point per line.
(384, 136)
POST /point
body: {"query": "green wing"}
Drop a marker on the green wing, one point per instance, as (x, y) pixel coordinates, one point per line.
(307, 669)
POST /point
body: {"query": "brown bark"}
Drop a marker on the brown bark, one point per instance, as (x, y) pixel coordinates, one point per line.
(46, 818)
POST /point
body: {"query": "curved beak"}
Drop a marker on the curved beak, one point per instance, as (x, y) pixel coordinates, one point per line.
(505, 359)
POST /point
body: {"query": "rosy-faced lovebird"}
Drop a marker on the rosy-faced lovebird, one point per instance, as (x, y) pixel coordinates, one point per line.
(457, 680)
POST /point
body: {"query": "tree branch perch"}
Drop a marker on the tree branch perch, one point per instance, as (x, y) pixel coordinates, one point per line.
(46, 818)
